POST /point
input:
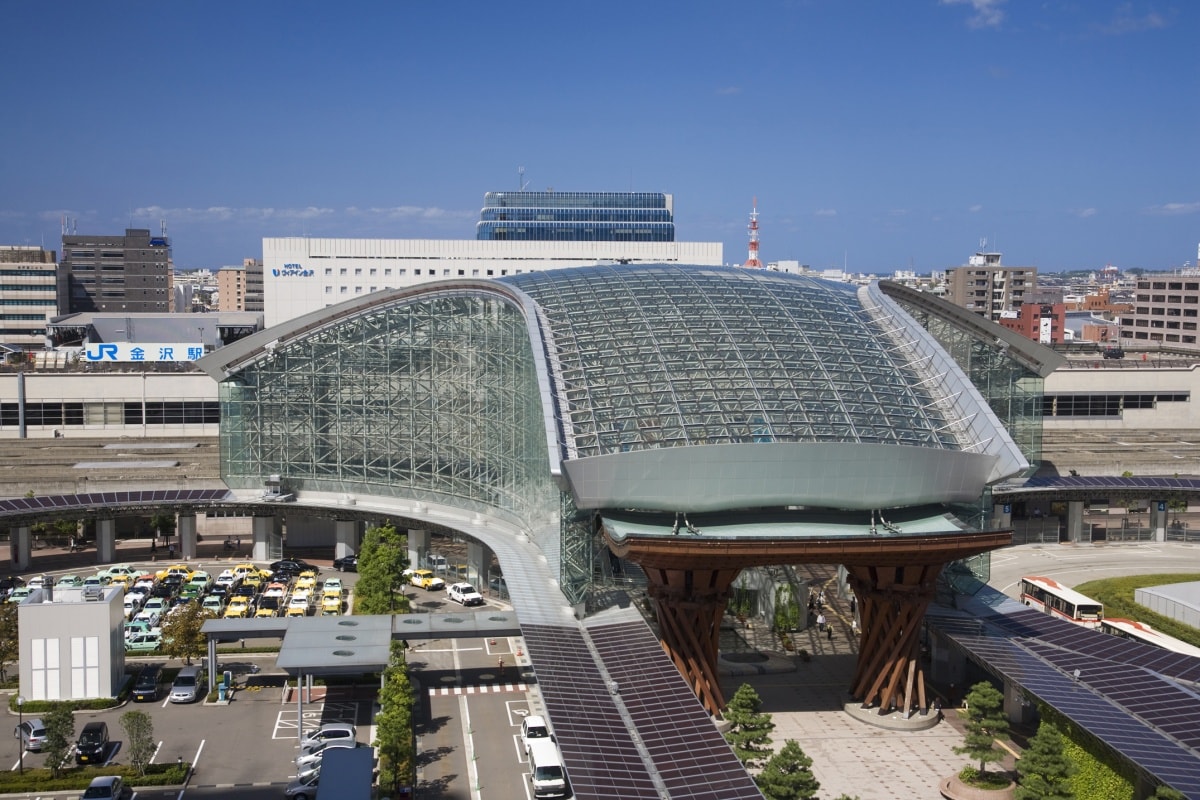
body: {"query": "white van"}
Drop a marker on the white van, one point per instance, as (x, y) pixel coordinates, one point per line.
(546, 769)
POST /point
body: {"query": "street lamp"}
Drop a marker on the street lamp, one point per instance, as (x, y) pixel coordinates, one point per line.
(20, 727)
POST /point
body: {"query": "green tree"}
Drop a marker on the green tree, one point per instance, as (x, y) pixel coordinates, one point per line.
(139, 729)
(60, 736)
(182, 634)
(986, 722)
(1043, 770)
(394, 724)
(382, 560)
(788, 775)
(749, 732)
(10, 648)
(163, 525)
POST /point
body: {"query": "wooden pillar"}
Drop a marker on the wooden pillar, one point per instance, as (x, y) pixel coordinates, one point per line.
(892, 603)
(690, 604)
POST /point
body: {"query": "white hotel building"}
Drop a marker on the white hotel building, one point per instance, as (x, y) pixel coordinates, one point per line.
(306, 274)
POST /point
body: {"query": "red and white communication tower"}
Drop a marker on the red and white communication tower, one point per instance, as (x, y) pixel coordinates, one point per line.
(752, 260)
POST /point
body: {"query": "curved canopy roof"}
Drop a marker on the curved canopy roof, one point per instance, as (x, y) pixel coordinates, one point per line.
(663, 355)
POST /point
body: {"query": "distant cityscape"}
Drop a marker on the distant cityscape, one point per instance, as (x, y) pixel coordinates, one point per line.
(125, 275)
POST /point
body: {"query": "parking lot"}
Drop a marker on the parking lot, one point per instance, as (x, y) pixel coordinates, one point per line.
(469, 716)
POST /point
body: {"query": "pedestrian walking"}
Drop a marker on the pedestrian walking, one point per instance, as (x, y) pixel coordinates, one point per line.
(853, 604)
(829, 633)
(500, 666)
(821, 622)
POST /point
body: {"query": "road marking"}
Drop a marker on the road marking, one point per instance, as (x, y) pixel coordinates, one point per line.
(469, 742)
(489, 688)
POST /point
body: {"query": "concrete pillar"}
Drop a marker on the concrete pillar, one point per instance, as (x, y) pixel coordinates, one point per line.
(1001, 516)
(106, 541)
(185, 528)
(263, 527)
(478, 558)
(418, 547)
(1158, 519)
(21, 545)
(1075, 522)
(345, 538)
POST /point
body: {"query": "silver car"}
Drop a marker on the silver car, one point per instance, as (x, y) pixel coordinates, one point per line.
(312, 758)
(187, 685)
(32, 733)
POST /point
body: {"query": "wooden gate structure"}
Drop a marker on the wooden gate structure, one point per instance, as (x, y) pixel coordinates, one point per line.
(892, 576)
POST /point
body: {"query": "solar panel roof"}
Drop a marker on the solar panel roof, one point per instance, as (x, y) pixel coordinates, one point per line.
(1140, 702)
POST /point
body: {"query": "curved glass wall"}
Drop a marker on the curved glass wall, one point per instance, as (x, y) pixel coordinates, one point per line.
(575, 215)
(431, 398)
(1013, 391)
(576, 231)
(665, 356)
(575, 200)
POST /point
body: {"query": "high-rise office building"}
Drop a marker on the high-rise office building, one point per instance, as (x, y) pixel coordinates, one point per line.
(1166, 310)
(27, 295)
(577, 217)
(130, 273)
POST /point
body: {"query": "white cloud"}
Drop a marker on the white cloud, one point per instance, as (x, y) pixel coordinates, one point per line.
(988, 13)
(1084, 213)
(975, 209)
(826, 212)
(1125, 20)
(724, 90)
(1173, 209)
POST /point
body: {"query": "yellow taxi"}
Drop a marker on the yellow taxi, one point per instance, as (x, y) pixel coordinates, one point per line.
(175, 569)
(297, 611)
(247, 570)
(426, 580)
(124, 581)
(306, 580)
(238, 607)
(331, 604)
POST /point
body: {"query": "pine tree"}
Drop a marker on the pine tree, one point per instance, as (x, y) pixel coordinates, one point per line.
(749, 731)
(788, 775)
(1043, 769)
(985, 724)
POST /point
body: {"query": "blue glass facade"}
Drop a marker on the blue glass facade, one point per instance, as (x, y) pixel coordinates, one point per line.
(576, 217)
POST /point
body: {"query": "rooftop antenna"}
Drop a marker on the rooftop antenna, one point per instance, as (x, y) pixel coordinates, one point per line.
(521, 182)
(752, 228)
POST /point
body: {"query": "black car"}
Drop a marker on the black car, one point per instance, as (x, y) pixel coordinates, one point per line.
(92, 744)
(145, 689)
(245, 591)
(346, 563)
(293, 566)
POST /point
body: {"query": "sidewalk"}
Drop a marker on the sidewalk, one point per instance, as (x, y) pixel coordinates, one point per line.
(806, 699)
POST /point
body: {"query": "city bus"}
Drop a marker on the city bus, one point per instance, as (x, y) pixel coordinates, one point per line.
(1050, 596)
(1131, 629)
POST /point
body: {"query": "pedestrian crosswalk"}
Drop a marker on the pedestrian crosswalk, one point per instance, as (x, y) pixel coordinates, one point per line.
(489, 688)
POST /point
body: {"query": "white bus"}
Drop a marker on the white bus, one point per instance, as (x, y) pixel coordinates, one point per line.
(1131, 629)
(1050, 596)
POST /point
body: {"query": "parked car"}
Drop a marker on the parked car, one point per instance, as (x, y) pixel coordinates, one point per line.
(268, 607)
(19, 594)
(93, 581)
(69, 582)
(132, 606)
(306, 580)
(303, 788)
(145, 688)
(156, 605)
(426, 580)
(331, 730)
(238, 607)
(108, 787)
(214, 603)
(32, 733)
(148, 616)
(92, 747)
(119, 569)
(228, 579)
(464, 593)
(306, 761)
(8, 583)
(147, 642)
(346, 563)
(187, 686)
(293, 565)
(331, 605)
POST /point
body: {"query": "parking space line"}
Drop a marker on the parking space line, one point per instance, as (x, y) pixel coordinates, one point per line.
(487, 688)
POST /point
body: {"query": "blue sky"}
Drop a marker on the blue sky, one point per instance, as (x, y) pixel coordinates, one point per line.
(883, 135)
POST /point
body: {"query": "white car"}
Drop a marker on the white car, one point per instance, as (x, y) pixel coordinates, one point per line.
(464, 593)
(151, 618)
(228, 578)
